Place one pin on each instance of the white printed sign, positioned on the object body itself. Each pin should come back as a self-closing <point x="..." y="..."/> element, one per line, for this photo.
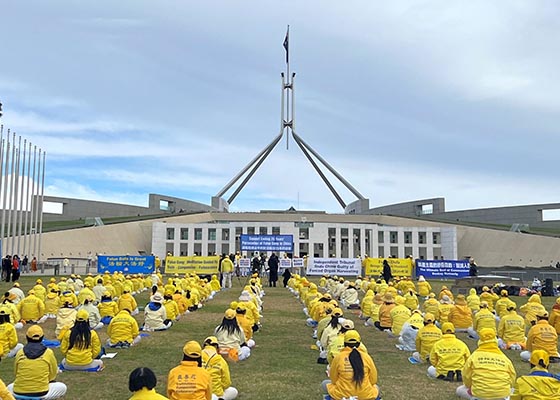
<point x="334" y="266"/>
<point x="297" y="262"/>
<point x="244" y="266"/>
<point x="285" y="263"/>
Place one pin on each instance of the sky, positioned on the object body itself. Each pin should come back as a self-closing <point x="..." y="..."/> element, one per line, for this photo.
<point x="406" y="99"/>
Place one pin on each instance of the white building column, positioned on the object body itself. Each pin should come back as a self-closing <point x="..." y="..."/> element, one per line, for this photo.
<point x="338" y="242"/>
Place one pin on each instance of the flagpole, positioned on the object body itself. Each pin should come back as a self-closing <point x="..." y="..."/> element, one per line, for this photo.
<point x="287" y="47"/>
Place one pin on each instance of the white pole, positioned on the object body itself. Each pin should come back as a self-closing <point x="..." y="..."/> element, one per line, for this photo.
<point x="42" y="193"/>
<point x="10" y="201"/>
<point x="20" y="208"/>
<point x="5" y="192"/>
<point x="27" y="210"/>
<point x="16" y="198"/>
<point x="36" y="204"/>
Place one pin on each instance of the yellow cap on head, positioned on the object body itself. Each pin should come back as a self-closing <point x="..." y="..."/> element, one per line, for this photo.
<point x="35" y="332"/>
<point x="352" y="336"/>
<point x="540" y="355"/>
<point x="448" y="327"/>
<point x="230" y="314"/>
<point x="82" y="315"/>
<point x="192" y="349"/>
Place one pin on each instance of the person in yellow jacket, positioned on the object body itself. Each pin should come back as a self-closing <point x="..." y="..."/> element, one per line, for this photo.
<point x="86" y="293"/>
<point x="489" y="296"/>
<point x="554" y="319"/>
<point x="352" y="372"/>
<point x="540" y="384"/>
<point x="445" y="292"/>
<point x="424" y="287"/>
<point x="52" y="303"/>
<point x="399" y="315"/>
<point x="337" y="344"/>
<point x="9" y="345"/>
<point x="542" y="336"/>
<point x="488" y="373"/>
<point x="244" y="323"/>
<point x="511" y="330"/>
<point x="215" y="283"/>
<point x="374" y="313"/>
<point x="141" y="382"/>
<point x="431" y="305"/>
<point x="32" y="308"/>
<point x="123" y="330"/>
<point x="411" y="300"/>
<point x="155" y="315"/>
<point x="448" y="355"/>
<point x="81" y="346"/>
<point x="226" y="267"/>
<point x="366" y="305"/>
<point x="482" y="319"/>
<point x="427" y="336"/>
<point x="444" y="308"/>
<point x="40" y="290"/>
<point x="108" y="308"/>
<point x="128" y="301"/>
<point x="327" y="335"/>
<point x="4" y="392"/>
<point x="461" y="315"/>
<point x="171" y="307"/>
<point x="181" y="302"/>
<point x="65" y="318"/>
<point x="35" y="369"/>
<point x="503" y="303"/>
<point x="214" y="363"/>
<point x="385" y="322"/>
<point x="199" y="386"/>
<point x="473" y="300"/>
<point x="531" y="309"/>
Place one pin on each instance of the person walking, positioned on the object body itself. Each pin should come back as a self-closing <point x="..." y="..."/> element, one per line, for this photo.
<point x="387" y="273"/>
<point x="226" y="267"/>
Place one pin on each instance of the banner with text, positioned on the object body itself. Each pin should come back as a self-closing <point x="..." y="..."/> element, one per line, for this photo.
<point x="334" y="266"/>
<point x="244" y="266"/>
<point x="399" y="266"/>
<point x="285" y="263"/>
<point x="267" y="243"/>
<point x="442" y="269"/>
<point x="192" y="264"/>
<point x="126" y="264"/>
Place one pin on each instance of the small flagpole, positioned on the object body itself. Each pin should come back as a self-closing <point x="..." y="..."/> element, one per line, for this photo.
<point x="288" y="82"/>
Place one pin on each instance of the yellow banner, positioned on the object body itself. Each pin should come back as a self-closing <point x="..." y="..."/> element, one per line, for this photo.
<point x="399" y="266"/>
<point x="192" y="264"/>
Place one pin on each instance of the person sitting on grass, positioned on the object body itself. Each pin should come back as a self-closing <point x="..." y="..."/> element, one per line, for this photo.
<point x="488" y="373"/>
<point x="352" y="372"/>
<point x="93" y="312"/>
<point x="81" y="346"/>
<point x="123" y="330"/>
<point x="218" y="368"/>
<point x="231" y="338"/>
<point x="35" y="369"/>
<point x="542" y="336"/>
<point x="199" y="385"/>
<point x="427" y="336"/>
<point x="108" y="308"/>
<point x="155" y="315"/>
<point x="32" y="309"/>
<point x="511" y="330"/>
<point x="448" y="355"/>
<point x="141" y="383"/>
<point x="540" y="383"/>
<point x="9" y="345"/>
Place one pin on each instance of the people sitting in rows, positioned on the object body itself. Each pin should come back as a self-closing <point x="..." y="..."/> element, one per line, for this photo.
<point x="352" y="372"/>
<point x="409" y="331"/>
<point x="81" y="346"/>
<point x="448" y="355"/>
<point x="531" y="308"/>
<point x="141" y="383"/>
<point x="199" y="385"/>
<point x="385" y="322"/>
<point x="503" y="303"/>
<point x="489" y="296"/>
<point x="539" y="383"/>
<point x="461" y="315"/>
<point x="427" y="336"/>
<point x="32" y="309"/>
<point x="93" y="312"/>
<point x="155" y="315"/>
<point x="473" y="300"/>
<point x="214" y="363"/>
<point x="542" y="336"/>
<point x="9" y="345"/>
<point x="554" y="319"/>
<point x="488" y="373"/>
<point x="511" y="330"/>
<point x="482" y="319"/>
<point x="108" y="308"/>
<point x="36" y="368"/>
<point x="123" y="331"/>
<point x="231" y="339"/>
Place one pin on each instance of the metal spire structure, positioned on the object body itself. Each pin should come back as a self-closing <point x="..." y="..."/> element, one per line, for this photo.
<point x="287" y="127"/>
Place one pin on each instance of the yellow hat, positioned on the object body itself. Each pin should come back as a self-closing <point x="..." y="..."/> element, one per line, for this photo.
<point x="213" y="340"/>
<point x="39" y="280"/>
<point x="337" y="312"/>
<point x="327" y="296"/>
<point x="487" y="335"/>
<point x="35" y="332"/>
<point x="233" y="305"/>
<point x="448" y="327"/>
<point x="429" y="317"/>
<point x="82" y="315"/>
<point x="399" y="300"/>
<point x="4" y="310"/>
<point x="31" y="291"/>
<point x="192" y="349"/>
<point x="485" y="289"/>
<point x="352" y="336"/>
<point x="52" y="280"/>
<point x="540" y="355"/>
<point x="504" y="293"/>
<point x="432" y="295"/>
<point x="16" y="284"/>
<point x="230" y="314"/>
<point x="483" y="304"/>
<point x="542" y="314"/>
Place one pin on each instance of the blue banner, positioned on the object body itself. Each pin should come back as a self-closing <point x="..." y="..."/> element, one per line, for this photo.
<point x="442" y="269"/>
<point x="267" y="243"/>
<point x="126" y="264"/>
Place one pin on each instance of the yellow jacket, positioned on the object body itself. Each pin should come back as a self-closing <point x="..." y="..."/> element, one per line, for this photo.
<point x="538" y="385"/>
<point x="181" y="302"/>
<point x="484" y="319"/>
<point x="531" y="309"/>
<point x="367" y="303"/>
<point x="489" y="373"/>
<point x="122" y="328"/>
<point x="337" y="345"/>
<point x="128" y="302"/>
<point x="554" y="319"/>
<point x="411" y="301"/>
<point x="172" y="309"/>
<point x="31" y="308"/>
<point x="4" y="392"/>
<point x="40" y="291"/>
<point x="427" y="336"/>
<point x="449" y="354"/>
<point x="490" y="298"/>
<point x="399" y="315"/>
<point x="502" y="305"/>
<point x="473" y="300"/>
<point x="108" y="308"/>
<point x="77" y="356"/>
<point x="34" y="367"/>
<point x="385" y="314"/>
<point x="147" y="394"/>
<point x="85" y="293"/>
<point x="245" y="325"/>
<point x="8" y="338"/>
<point x="461" y="316"/>
<point x="214" y="363"/>
<point x="64" y="319"/>
<point x="199" y="385"/>
<point x="542" y="336"/>
<point x="341" y="377"/>
<point x="431" y="306"/>
<point x="52" y="303"/>
<point x="511" y="328"/>
<point x="15" y="316"/>
<point x="226" y="265"/>
<point x="443" y="312"/>
<point x="424" y="288"/>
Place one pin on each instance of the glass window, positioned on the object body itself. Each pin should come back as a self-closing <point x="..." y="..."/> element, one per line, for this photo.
<point x="184" y="233"/>
<point x="275" y="230"/>
<point x="422" y="237"/>
<point x="225" y="234"/>
<point x="380" y="236"/>
<point x="263" y="230"/>
<point x="211" y="234"/>
<point x="197" y="233"/>
<point x="304" y="233"/>
<point x="436" y="237"/>
<point x="408" y="237"/>
<point x="170" y="233"/>
<point x="251" y="230"/>
<point x="393" y="237"/>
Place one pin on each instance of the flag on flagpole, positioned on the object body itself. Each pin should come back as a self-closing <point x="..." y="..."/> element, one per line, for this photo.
<point x="287" y="44"/>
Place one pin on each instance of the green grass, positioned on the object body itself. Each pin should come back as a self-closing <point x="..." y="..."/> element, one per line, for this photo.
<point x="281" y="367"/>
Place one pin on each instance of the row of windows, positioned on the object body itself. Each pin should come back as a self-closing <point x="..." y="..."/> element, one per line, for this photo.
<point x="184" y="232"/>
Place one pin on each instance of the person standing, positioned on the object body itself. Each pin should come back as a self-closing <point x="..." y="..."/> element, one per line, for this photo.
<point x="473" y="268"/>
<point x="34" y="264"/>
<point x="6" y="268"/>
<point x="387" y="273"/>
<point x="226" y="267"/>
<point x="273" y="264"/>
<point x="15" y="268"/>
<point x="25" y="264"/>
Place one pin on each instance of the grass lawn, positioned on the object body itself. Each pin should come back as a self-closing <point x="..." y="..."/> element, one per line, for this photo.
<point x="281" y="367"/>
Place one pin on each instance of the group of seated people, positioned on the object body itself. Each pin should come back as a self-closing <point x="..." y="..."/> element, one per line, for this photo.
<point x="428" y="332"/>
